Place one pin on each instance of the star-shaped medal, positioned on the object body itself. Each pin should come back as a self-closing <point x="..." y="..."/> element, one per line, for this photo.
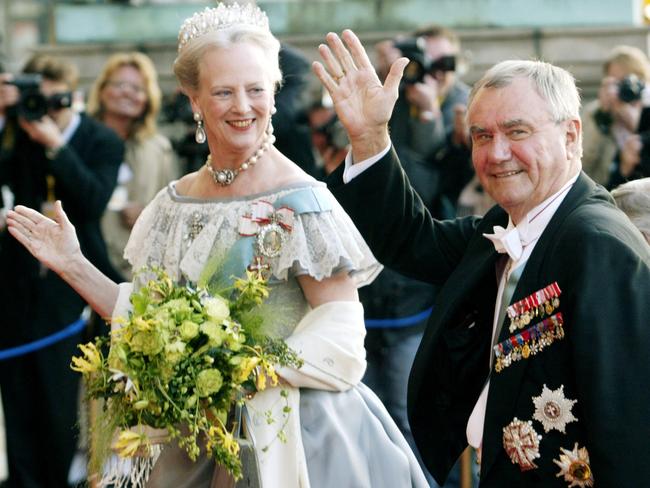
<point x="553" y="409"/>
<point x="574" y="466"/>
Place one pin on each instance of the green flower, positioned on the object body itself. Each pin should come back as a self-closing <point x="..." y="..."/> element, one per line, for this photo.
<point x="188" y="330"/>
<point x="148" y="343"/>
<point x="214" y="332"/>
<point x="216" y="308"/>
<point x="180" y="308"/>
<point x="174" y="351"/>
<point x="208" y="381"/>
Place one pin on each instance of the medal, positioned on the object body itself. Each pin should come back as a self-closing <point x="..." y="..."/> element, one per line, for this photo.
<point x="553" y="409"/>
<point x="574" y="466"/>
<point x="521" y="442"/>
<point x="528" y="342"/>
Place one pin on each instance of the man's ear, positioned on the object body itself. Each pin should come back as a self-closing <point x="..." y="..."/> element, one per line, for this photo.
<point x="573" y="138"/>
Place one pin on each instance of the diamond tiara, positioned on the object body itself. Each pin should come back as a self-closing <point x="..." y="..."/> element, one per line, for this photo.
<point x="219" y="18"/>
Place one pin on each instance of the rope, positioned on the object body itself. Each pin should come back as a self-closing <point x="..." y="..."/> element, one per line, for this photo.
<point x="401" y="322"/>
<point x="72" y="329"/>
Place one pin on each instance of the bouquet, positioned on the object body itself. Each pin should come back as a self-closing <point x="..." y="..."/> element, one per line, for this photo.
<point x="181" y="361"/>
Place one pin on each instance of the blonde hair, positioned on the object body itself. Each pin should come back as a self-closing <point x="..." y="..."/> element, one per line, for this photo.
<point x="145" y="125"/>
<point x="632" y="59"/>
<point x="633" y="198"/>
<point x="188" y="62"/>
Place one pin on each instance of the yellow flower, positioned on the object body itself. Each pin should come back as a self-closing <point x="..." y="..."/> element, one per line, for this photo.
<point x="218" y="435"/>
<point x="254" y="285"/>
<point x="244" y="367"/>
<point x="128" y="443"/>
<point x="91" y="360"/>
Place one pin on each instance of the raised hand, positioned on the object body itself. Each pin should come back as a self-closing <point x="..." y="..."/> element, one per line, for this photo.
<point x="53" y="242"/>
<point x="363" y="105"/>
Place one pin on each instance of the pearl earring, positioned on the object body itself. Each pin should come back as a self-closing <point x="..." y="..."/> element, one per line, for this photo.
<point x="199" y="135"/>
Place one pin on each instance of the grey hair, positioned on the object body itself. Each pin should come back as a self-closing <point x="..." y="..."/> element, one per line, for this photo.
<point x="554" y="84"/>
<point x="187" y="63"/>
<point x="633" y="198"/>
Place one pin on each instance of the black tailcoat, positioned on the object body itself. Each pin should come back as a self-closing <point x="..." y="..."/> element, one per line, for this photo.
<point x="601" y="264"/>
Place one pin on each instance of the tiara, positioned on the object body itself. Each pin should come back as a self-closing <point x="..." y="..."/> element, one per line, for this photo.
<point x="219" y="18"/>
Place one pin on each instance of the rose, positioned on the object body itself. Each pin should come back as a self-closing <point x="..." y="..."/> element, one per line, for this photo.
<point x="148" y="343"/>
<point x="216" y="308"/>
<point x="214" y="332"/>
<point x="174" y="351"/>
<point x="188" y="330"/>
<point x="208" y="381"/>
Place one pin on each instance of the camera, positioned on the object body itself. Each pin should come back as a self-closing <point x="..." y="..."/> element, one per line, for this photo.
<point x="630" y="89"/>
<point x="419" y="63"/>
<point x="32" y="104"/>
<point x="334" y="133"/>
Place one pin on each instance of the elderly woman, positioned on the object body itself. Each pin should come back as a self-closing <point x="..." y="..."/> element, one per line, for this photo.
<point x="126" y="97"/>
<point x="633" y="198"/>
<point x="338" y="435"/>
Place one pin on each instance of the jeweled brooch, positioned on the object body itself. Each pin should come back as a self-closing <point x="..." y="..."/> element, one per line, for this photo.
<point x="574" y="466"/>
<point x="521" y="442"/>
<point x="553" y="409"/>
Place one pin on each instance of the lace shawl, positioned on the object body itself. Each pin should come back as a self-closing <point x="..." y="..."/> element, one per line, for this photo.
<point x="181" y="234"/>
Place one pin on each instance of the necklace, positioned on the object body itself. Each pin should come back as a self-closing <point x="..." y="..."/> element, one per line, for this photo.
<point x="225" y="177"/>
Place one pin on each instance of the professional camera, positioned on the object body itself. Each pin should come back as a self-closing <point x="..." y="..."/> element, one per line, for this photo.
<point x="630" y="89"/>
<point x="419" y="63"/>
<point x="32" y="104"/>
<point x="334" y="133"/>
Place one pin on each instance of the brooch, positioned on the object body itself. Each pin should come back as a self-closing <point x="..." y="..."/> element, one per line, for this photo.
<point x="528" y="342"/>
<point x="574" y="466"/>
<point x="269" y="225"/>
<point x="194" y="226"/>
<point x="542" y="302"/>
<point x="521" y="442"/>
<point x="553" y="409"/>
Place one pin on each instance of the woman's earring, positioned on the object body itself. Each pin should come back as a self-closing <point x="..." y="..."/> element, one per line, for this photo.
<point x="274" y="110"/>
<point x="199" y="135"/>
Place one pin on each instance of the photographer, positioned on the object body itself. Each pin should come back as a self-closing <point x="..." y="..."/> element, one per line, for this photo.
<point x="611" y="120"/>
<point x="327" y="136"/>
<point x="48" y="152"/>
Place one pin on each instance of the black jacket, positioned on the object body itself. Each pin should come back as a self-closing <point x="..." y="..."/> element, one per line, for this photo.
<point x="601" y="264"/>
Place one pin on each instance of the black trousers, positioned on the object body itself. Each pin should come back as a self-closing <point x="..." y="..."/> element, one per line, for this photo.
<point x="40" y="401"/>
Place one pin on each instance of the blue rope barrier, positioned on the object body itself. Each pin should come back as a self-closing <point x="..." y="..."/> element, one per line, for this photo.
<point x="401" y="322"/>
<point x="70" y="330"/>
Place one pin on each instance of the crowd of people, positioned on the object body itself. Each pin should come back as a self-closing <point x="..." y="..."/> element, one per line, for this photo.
<point x="455" y="265"/>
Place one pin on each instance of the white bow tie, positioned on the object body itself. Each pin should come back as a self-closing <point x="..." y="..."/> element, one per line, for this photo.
<point x="507" y="240"/>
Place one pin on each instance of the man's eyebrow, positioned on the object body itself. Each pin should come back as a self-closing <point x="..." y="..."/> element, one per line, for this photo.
<point x="508" y="124"/>
<point x="476" y="128"/>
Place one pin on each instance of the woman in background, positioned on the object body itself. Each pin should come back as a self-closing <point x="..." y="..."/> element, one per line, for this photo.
<point x="633" y="198"/>
<point x="126" y="97"/>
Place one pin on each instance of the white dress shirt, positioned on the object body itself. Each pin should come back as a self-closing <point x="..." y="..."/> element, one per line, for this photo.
<point x="530" y="229"/>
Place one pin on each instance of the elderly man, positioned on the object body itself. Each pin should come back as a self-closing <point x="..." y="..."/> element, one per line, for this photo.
<point x="538" y="353"/>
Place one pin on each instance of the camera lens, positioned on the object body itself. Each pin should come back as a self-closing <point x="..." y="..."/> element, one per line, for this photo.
<point x="32" y="105"/>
